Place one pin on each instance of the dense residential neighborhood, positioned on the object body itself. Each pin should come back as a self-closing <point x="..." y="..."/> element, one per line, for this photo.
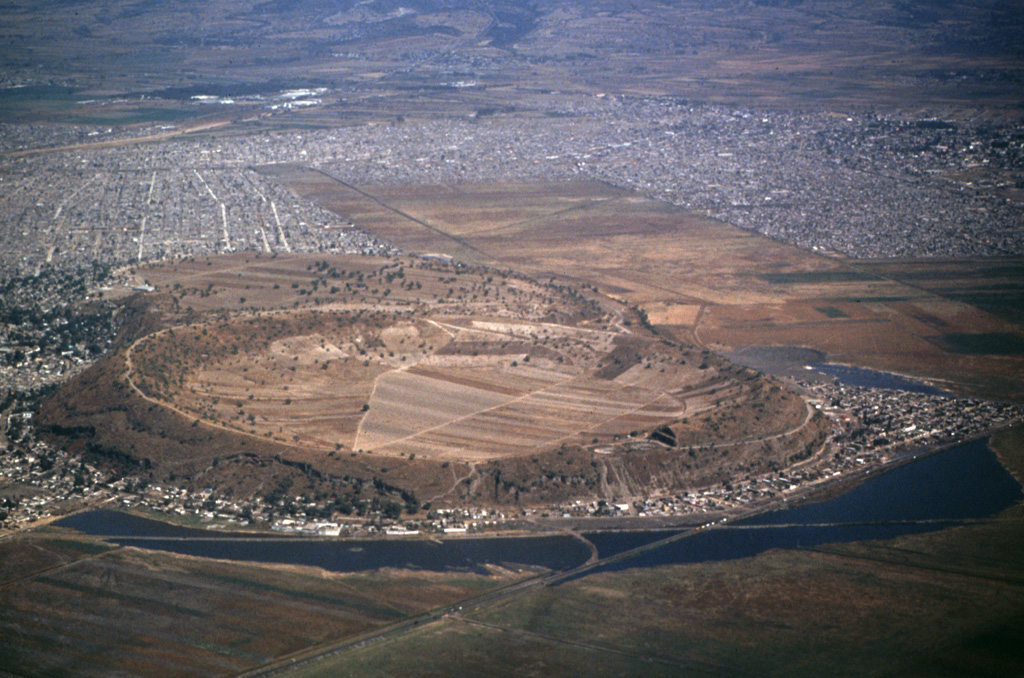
<point x="75" y="220"/>
<point x="862" y="185"/>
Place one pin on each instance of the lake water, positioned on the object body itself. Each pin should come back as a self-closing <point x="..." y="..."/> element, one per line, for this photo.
<point x="961" y="483"/>
<point x="865" y="378"/>
<point x="793" y="361"/>
<point x="933" y="492"/>
<point x="615" y="542"/>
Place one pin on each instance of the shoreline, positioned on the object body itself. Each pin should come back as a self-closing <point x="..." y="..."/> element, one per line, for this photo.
<point x="810" y="493"/>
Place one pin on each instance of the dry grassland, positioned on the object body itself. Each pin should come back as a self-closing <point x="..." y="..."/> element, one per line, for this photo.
<point x="407" y="381"/>
<point x="937" y="604"/>
<point x="78" y="607"/>
<point x="667" y="313"/>
<point x="710" y="283"/>
<point x="349" y="375"/>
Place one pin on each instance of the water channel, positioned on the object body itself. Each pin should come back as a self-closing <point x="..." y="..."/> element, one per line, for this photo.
<point x="961" y="483"/>
<point x="940" y="490"/>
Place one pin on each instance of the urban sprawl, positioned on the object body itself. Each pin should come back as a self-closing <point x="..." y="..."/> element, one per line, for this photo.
<point x="860" y="185"/>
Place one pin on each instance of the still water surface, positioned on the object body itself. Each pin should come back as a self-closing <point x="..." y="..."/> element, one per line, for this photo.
<point x="961" y="483"/>
<point x="865" y="378"/>
<point x="965" y="482"/>
<point x="346" y="555"/>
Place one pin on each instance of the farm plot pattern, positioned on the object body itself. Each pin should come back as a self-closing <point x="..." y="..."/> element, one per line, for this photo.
<point x="452" y="380"/>
<point x="415" y="414"/>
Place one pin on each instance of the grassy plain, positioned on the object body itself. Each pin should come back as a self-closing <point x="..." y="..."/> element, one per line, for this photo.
<point x="706" y="282"/>
<point x="71" y="607"/>
<point x="940" y="604"/>
<point x="462" y="645"/>
<point x="913" y="606"/>
<point x="76" y="607"/>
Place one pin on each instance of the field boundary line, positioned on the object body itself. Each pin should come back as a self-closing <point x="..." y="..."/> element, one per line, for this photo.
<point x="57" y="568"/>
<point x="464" y="417"/>
<point x="952" y="572"/>
<point x="405" y="215"/>
<point x="586" y="203"/>
<point x="129" y="368"/>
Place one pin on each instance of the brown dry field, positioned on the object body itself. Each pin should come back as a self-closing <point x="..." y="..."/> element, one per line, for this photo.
<point x="77" y="607"/>
<point x="324" y="373"/>
<point x="946" y="603"/>
<point x="708" y="282"/>
<point x="373" y="369"/>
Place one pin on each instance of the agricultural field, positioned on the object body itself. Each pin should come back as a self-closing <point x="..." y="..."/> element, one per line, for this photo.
<point x="941" y="604"/>
<point x="351" y="375"/>
<point x="542" y="345"/>
<point x="712" y="284"/>
<point x="390" y="376"/>
<point x="77" y="607"/>
<point x="945" y="603"/>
